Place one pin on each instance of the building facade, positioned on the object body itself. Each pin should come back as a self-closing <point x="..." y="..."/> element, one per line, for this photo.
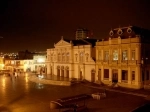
<point x="39" y="60"/>
<point x="18" y="65"/>
<point x="72" y="59"/>
<point x="123" y="58"/>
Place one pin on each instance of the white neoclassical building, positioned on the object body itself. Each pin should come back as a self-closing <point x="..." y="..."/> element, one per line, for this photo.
<point x="124" y="57"/>
<point x="72" y="59"/>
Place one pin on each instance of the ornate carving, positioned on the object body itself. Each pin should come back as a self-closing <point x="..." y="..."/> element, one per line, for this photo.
<point x="119" y="32"/>
<point x="129" y="30"/>
<point x="111" y="33"/>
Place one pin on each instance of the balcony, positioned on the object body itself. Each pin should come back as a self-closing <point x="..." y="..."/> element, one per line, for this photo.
<point x="123" y="62"/>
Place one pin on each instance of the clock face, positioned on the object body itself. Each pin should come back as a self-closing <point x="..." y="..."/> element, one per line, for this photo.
<point x="119" y="32"/>
<point x="111" y="33"/>
<point x="129" y="30"/>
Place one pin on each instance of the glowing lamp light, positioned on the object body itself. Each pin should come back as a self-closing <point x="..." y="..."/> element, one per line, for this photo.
<point x="40" y="60"/>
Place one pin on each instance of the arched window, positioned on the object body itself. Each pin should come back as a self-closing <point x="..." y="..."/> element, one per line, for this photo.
<point x="67" y="72"/>
<point x="59" y="57"/>
<point x="81" y="56"/>
<point x="51" y="57"/>
<point x="62" y="71"/>
<point x="63" y="57"/>
<point x="67" y="57"/>
<point x="58" y="70"/>
<point x="99" y="55"/>
<point x="76" y="57"/>
<point x="87" y="56"/>
<point x="115" y="55"/>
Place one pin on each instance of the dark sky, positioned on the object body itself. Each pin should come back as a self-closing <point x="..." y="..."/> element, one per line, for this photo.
<point x="38" y="24"/>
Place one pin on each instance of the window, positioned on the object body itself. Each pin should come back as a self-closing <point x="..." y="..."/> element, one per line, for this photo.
<point x="81" y="57"/>
<point x="133" y="55"/>
<point x="99" y="55"/>
<point x="106" y="73"/>
<point x="133" y="75"/>
<point x="124" y="55"/>
<point x="67" y="57"/>
<point x="76" y="57"/>
<point x="63" y="57"/>
<point x="124" y="75"/>
<point x="51" y="57"/>
<point x="106" y="55"/>
<point x="115" y="55"/>
<point x="59" y="57"/>
<point x="87" y="56"/>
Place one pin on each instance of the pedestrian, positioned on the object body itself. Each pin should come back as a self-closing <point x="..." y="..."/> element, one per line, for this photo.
<point x="15" y="74"/>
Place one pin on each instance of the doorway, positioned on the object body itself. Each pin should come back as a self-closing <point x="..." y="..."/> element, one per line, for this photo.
<point x="92" y="75"/>
<point x="115" y="75"/>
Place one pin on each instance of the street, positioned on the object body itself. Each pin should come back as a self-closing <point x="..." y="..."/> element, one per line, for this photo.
<point x="21" y="95"/>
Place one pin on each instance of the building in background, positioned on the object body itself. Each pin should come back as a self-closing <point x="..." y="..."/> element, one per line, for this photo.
<point x="82" y="33"/>
<point x="39" y="60"/>
<point x="19" y="65"/>
<point x="26" y="62"/>
<point x="72" y="59"/>
<point x="1" y="63"/>
<point x="123" y="59"/>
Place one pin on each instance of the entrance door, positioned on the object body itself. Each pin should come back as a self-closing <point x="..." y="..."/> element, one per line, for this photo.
<point x="99" y="74"/>
<point x="58" y="71"/>
<point x="92" y="76"/>
<point x="115" y="76"/>
<point x="80" y="75"/>
<point x="67" y="73"/>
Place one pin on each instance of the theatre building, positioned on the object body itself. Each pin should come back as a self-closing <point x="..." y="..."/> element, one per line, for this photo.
<point x="123" y="59"/>
<point x="72" y="59"/>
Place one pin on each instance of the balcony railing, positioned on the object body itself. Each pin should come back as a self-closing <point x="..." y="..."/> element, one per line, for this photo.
<point x="119" y="61"/>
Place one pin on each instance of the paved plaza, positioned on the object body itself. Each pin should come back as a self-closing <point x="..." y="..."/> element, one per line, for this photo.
<point x="21" y="95"/>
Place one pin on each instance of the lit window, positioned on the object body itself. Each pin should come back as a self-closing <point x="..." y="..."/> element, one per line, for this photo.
<point x="67" y="57"/>
<point x="115" y="55"/>
<point x="133" y="55"/>
<point x="81" y="57"/>
<point x="124" y="55"/>
<point x="106" y="55"/>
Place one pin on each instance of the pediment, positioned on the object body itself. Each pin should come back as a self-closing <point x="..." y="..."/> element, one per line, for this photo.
<point x="62" y="43"/>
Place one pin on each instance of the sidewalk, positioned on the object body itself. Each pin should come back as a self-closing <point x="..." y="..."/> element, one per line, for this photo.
<point x="137" y="92"/>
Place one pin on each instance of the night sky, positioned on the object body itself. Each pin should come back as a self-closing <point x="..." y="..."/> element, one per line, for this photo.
<point x="35" y="25"/>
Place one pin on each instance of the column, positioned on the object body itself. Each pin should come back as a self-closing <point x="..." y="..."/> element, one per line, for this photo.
<point x="119" y="75"/>
<point x="138" y="76"/>
<point x="97" y="69"/>
<point x="110" y="74"/>
<point x="102" y="73"/>
<point x="129" y="52"/>
<point x="129" y="75"/>
<point x="48" y="68"/>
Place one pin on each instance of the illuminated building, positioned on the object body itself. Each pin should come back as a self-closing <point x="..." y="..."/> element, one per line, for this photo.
<point x="1" y="63"/>
<point x="39" y="63"/>
<point x="123" y="59"/>
<point x="72" y="59"/>
<point x="19" y="65"/>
